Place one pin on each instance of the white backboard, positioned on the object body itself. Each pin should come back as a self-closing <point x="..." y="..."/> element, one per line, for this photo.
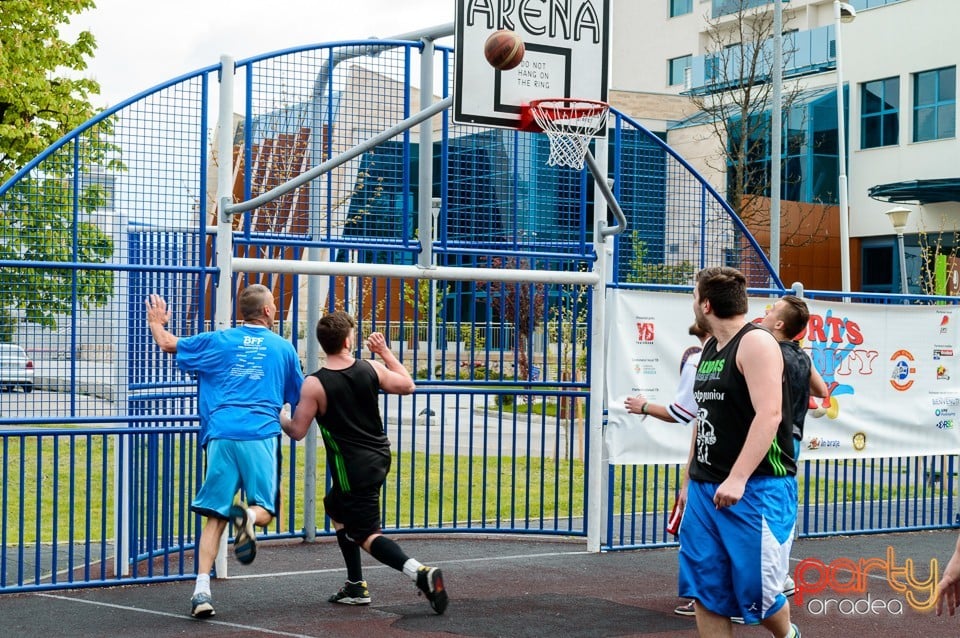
<point x="567" y="50"/>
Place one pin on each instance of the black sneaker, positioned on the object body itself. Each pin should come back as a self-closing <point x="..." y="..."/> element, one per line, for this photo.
<point x="352" y="594"/>
<point x="430" y="582"/>
<point x="688" y="608"/>
<point x="245" y="542"/>
<point x="202" y="606"/>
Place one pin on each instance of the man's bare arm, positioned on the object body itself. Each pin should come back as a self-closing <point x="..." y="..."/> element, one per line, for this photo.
<point x="157" y="318"/>
<point x="394" y="377"/>
<point x="313" y="402"/>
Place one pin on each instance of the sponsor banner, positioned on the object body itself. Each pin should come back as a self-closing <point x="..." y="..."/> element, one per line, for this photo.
<point x="893" y="374"/>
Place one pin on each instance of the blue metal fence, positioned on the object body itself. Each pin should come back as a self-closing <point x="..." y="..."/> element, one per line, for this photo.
<point x="100" y="461"/>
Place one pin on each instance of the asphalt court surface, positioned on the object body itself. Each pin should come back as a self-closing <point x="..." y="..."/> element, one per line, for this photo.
<point x="499" y="586"/>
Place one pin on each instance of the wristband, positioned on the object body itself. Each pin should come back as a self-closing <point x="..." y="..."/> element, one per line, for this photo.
<point x="643" y="408"/>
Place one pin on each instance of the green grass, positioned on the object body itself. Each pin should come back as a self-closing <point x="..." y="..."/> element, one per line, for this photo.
<point x="39" y="481"/>
<point x="433" y="490"/>
<point x="36" y="487"/>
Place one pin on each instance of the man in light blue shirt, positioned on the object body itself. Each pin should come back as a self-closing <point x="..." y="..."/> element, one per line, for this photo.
<point x="245" y="375"/>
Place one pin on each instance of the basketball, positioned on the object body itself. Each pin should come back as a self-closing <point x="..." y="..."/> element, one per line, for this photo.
<point x="504" y="49"/>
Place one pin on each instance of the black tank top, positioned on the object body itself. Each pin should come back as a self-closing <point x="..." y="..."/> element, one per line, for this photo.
<point x="358" y="450"/>
<point x="725" y="413"/>
<point x="796" y="365"/>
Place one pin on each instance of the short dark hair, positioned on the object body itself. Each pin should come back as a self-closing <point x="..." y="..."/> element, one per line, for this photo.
<point x="333" y="330"/>
<point x="253" y="299"/>
<point x="794" y="314"/>
<point x="726" y="290"/>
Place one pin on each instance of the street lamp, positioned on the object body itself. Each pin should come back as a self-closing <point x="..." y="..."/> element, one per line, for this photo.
<point x="898" y="217"/>
<point x="842" y="13"/>
<point x="435" y="203"/>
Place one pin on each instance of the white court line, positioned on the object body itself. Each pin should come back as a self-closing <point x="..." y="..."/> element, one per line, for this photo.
<point x="297" y="573"/>
<point x="206" y="621"/>
<point x="438" y="563"/>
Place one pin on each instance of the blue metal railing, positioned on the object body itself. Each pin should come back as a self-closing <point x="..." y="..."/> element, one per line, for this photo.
<point x="100" y="462"/>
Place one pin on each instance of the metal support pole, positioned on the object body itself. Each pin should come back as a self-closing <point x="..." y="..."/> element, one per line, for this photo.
<point x="426" y="219"/>
<point x="903" y="263"/>
<point x="224" y="243"/>
<point x="776" y="135"/>
<point x="435" y="204"/>
<point x="842" y="158"/>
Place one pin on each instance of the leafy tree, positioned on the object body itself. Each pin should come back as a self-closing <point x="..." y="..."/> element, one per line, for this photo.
<point x="42" y="215"/>
<point x="38" y="102"/>
<point x="642" y="272"/>
<point x="937" y="249"/>
<point x="521" y="304"/>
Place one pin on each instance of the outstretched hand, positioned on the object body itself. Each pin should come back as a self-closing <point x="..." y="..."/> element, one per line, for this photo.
<point x="157" y="311"/>
<point x="634" y="405"/>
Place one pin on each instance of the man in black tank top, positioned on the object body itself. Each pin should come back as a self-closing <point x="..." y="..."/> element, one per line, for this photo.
<point x="740" y="491"/>
<point x="344" y="397"/>
<point x="787" y="320"/>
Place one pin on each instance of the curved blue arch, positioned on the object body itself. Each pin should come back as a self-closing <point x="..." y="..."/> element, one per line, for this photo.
<point x="710" y="189"/>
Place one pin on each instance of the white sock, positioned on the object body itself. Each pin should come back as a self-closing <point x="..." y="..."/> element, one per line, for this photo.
<point x="203" y="584"/>
<point x="251" y="516"/>
<point x="410" y="568"/>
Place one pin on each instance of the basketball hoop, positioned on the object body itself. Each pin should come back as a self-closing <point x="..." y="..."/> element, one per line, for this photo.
<point x="570" y="124"/>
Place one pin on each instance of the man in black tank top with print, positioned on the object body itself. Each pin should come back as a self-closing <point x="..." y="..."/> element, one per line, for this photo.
<point x="344" y="397"/>
<point x="740" y="491"/>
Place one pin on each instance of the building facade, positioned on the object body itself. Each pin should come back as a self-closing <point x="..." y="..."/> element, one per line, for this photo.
<point x="899" y="93"/>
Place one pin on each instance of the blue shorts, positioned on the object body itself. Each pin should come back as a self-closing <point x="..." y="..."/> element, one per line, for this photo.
<point x="734" y="560"/>
<point x="253" y="466"/>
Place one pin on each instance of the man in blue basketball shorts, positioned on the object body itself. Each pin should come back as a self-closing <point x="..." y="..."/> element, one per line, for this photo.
<point x="740" y="491"/>
<point x="245" y="375"/>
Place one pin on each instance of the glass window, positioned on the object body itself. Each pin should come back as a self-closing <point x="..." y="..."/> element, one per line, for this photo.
<point x="878" y="266"/>
<point x="880" y="113"/>
<point x="935" y="104"/>
<point x="680" y="7"/>
<point x="677" y="68"/>
<point x="809" y="159"/>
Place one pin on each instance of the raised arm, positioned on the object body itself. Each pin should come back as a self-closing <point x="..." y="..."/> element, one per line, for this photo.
<point x="157" y="318"/>
<point x="394" y="378"/>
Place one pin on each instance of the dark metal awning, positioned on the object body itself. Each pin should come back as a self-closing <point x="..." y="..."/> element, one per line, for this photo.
<point x="921" y="191"/>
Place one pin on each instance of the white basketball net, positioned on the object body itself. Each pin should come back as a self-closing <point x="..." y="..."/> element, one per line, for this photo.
<point x="570" y="124"/>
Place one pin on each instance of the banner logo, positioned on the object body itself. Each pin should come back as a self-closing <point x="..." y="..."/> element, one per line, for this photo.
<point x="859" y="441"/>
<point x="645" y="332"/>
<point x="903" y="368"/>
<point x="848" y="576"/>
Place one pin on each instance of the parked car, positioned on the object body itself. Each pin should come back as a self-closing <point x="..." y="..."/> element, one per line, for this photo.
<point x="16" y="368"/>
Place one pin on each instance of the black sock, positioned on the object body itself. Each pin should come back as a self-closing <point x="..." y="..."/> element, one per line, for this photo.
<point x="351" y="556"/>
<point x="388" y="552"/>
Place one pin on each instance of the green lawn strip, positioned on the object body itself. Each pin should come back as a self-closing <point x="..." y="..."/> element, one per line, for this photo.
<point x="39" y="483"/>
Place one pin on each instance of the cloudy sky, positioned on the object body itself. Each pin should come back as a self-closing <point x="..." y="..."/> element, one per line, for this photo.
<point x="141" y="44"/>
